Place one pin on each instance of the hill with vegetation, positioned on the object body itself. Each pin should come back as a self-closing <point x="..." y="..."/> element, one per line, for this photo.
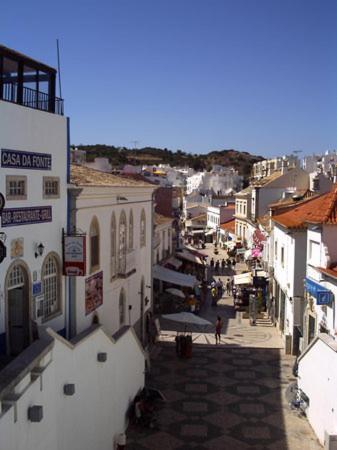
<point x="242" y="161"/>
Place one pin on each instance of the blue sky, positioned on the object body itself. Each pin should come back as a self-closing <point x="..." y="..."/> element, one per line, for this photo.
<point x="199" y="75"/>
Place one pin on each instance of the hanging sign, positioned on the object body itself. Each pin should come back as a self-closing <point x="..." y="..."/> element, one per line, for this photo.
<point x="3" y="251"/>
<point x="25" y="160"/>
<point x="25" y="216"/>
<point x="74" y="255"/>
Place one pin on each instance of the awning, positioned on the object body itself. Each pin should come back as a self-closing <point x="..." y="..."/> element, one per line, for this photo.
<point x="209" y="232"/>
<point x="322" y="295"/>
<point x="171" y="276"/>
<point x="193" y="232"/>
<point x="196" y="252"/>
<point x="176" y="263"/>
<point x="188" y="256"/>
<point x="243" y="278"/>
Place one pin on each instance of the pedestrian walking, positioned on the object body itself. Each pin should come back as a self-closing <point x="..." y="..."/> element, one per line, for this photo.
<point x="218" y="327"/>
<point x="223" y="265"/>
<point x="217" y="265"/>
<point x="212" y="263"/>
<point x="228" y="288"/>
<point x="220" y="288"/>
<point x="214" y="292"/>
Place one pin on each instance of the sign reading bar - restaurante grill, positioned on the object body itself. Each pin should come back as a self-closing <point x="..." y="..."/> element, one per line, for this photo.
<point x="25" y="216"/>
<point x="74" y="255"/>
<point x="25" y="160"/>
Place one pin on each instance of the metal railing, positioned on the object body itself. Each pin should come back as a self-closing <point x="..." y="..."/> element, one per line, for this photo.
<point x="31" y="98"/>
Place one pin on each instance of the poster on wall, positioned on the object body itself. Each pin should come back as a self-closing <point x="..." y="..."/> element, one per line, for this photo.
<point x="74" y="255"/>
<point x="93" y="292"/>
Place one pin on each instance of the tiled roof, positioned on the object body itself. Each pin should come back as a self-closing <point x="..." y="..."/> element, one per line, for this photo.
<point x="332" y="271"/>
<point x="229" y="226"/>
<point x="298" y="195"/>
<point x="84" y="176"/>
<point x="322" y="209"/>
<point x="265" y="180"/>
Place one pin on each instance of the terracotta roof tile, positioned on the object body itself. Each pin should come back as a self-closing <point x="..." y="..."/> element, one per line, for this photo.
<point x="229" y="226"/>
<point x="321" y="209"/>
<point x="85" y="176"/>
<point x="331" y="271"/>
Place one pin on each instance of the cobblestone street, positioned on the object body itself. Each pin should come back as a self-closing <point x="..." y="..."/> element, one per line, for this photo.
<point x="226" y="397"/>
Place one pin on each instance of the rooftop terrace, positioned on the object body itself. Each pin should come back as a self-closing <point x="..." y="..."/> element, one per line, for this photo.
<point x="27" y="82"/>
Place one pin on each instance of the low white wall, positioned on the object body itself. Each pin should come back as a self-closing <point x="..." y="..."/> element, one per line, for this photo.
<point x="318" y="379"/>
<point x="96" y="413"/>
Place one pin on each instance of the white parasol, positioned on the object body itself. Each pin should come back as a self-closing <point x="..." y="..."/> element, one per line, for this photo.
<point x="187" y="318"/>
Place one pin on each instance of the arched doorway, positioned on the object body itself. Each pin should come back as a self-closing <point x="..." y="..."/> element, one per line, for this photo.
<point x="17" y="301"/>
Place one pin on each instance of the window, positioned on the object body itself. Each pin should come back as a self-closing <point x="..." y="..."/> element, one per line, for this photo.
<point x="143" y="229"/>
<point x="94" y="245"/>
<point x="131" y="230"/>
<point x="51" y="286"/>
<point x="314" y="252"/>
<point x="122" y="243"/>
<point x="282" y="256"/>
<point x="122" y="308"/>
<point x="16" y="187"/>
<point x="113" y="245"/>
<point x="51" y="187"/>
<point x="275" y="250"/>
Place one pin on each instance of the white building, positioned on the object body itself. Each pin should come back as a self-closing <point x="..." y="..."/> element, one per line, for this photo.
<point x="116" y="215"/>
<point x="33" y="181"/>
<point x="193" y="182"/>
<point x="162" y="240"/>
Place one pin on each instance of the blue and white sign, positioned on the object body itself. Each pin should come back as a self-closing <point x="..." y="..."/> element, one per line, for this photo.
<point x="14" y="159"/>
<point x="322" y="295"/>
<point x="25" y="216"/>
<point x="37" y="288"/>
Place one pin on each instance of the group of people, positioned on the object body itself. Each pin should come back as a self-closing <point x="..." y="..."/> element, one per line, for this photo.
<point x="219" y="266"/>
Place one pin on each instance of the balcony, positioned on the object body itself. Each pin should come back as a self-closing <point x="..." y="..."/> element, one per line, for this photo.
<point x="31" y="98"/>
<point x="127" y="264"/>
<point x="27" y="82"/>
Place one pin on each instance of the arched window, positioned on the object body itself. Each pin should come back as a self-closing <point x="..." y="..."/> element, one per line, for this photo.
<point x="113" y="246"/>
<point x="51" y="280"/>
<point x="122" y="244"/>
<point x="131" y="231"/>
<point x="122" y="307"/>
<point x="143" y="229"/>
<point x="94" y="245"/>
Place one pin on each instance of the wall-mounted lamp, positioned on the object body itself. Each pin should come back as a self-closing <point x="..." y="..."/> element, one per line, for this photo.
<point x="39" y="249"/>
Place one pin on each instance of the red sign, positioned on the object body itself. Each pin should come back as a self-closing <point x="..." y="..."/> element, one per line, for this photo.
<point x="74" y="255"/>
<point x="93" y="292"/>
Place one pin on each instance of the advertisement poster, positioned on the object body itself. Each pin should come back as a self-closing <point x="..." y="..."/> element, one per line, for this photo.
<point x="74" y="256"/>
<point x="93" y="292"/>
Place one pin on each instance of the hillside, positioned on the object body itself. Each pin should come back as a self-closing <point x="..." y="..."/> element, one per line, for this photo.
<point x="242" y="161"/>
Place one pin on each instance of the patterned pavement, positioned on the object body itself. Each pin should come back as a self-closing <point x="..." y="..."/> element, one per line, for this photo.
<point x="223" y="399"/>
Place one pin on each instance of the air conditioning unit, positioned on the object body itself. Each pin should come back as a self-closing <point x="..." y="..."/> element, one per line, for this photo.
<point x="330" y="441"/>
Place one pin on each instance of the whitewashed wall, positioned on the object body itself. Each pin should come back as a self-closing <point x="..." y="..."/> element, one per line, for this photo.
<point x="100" y="202"/>
<point x="95" y="414"/>
<point x="318" y="380"/>
<point x="31" y="130"/>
